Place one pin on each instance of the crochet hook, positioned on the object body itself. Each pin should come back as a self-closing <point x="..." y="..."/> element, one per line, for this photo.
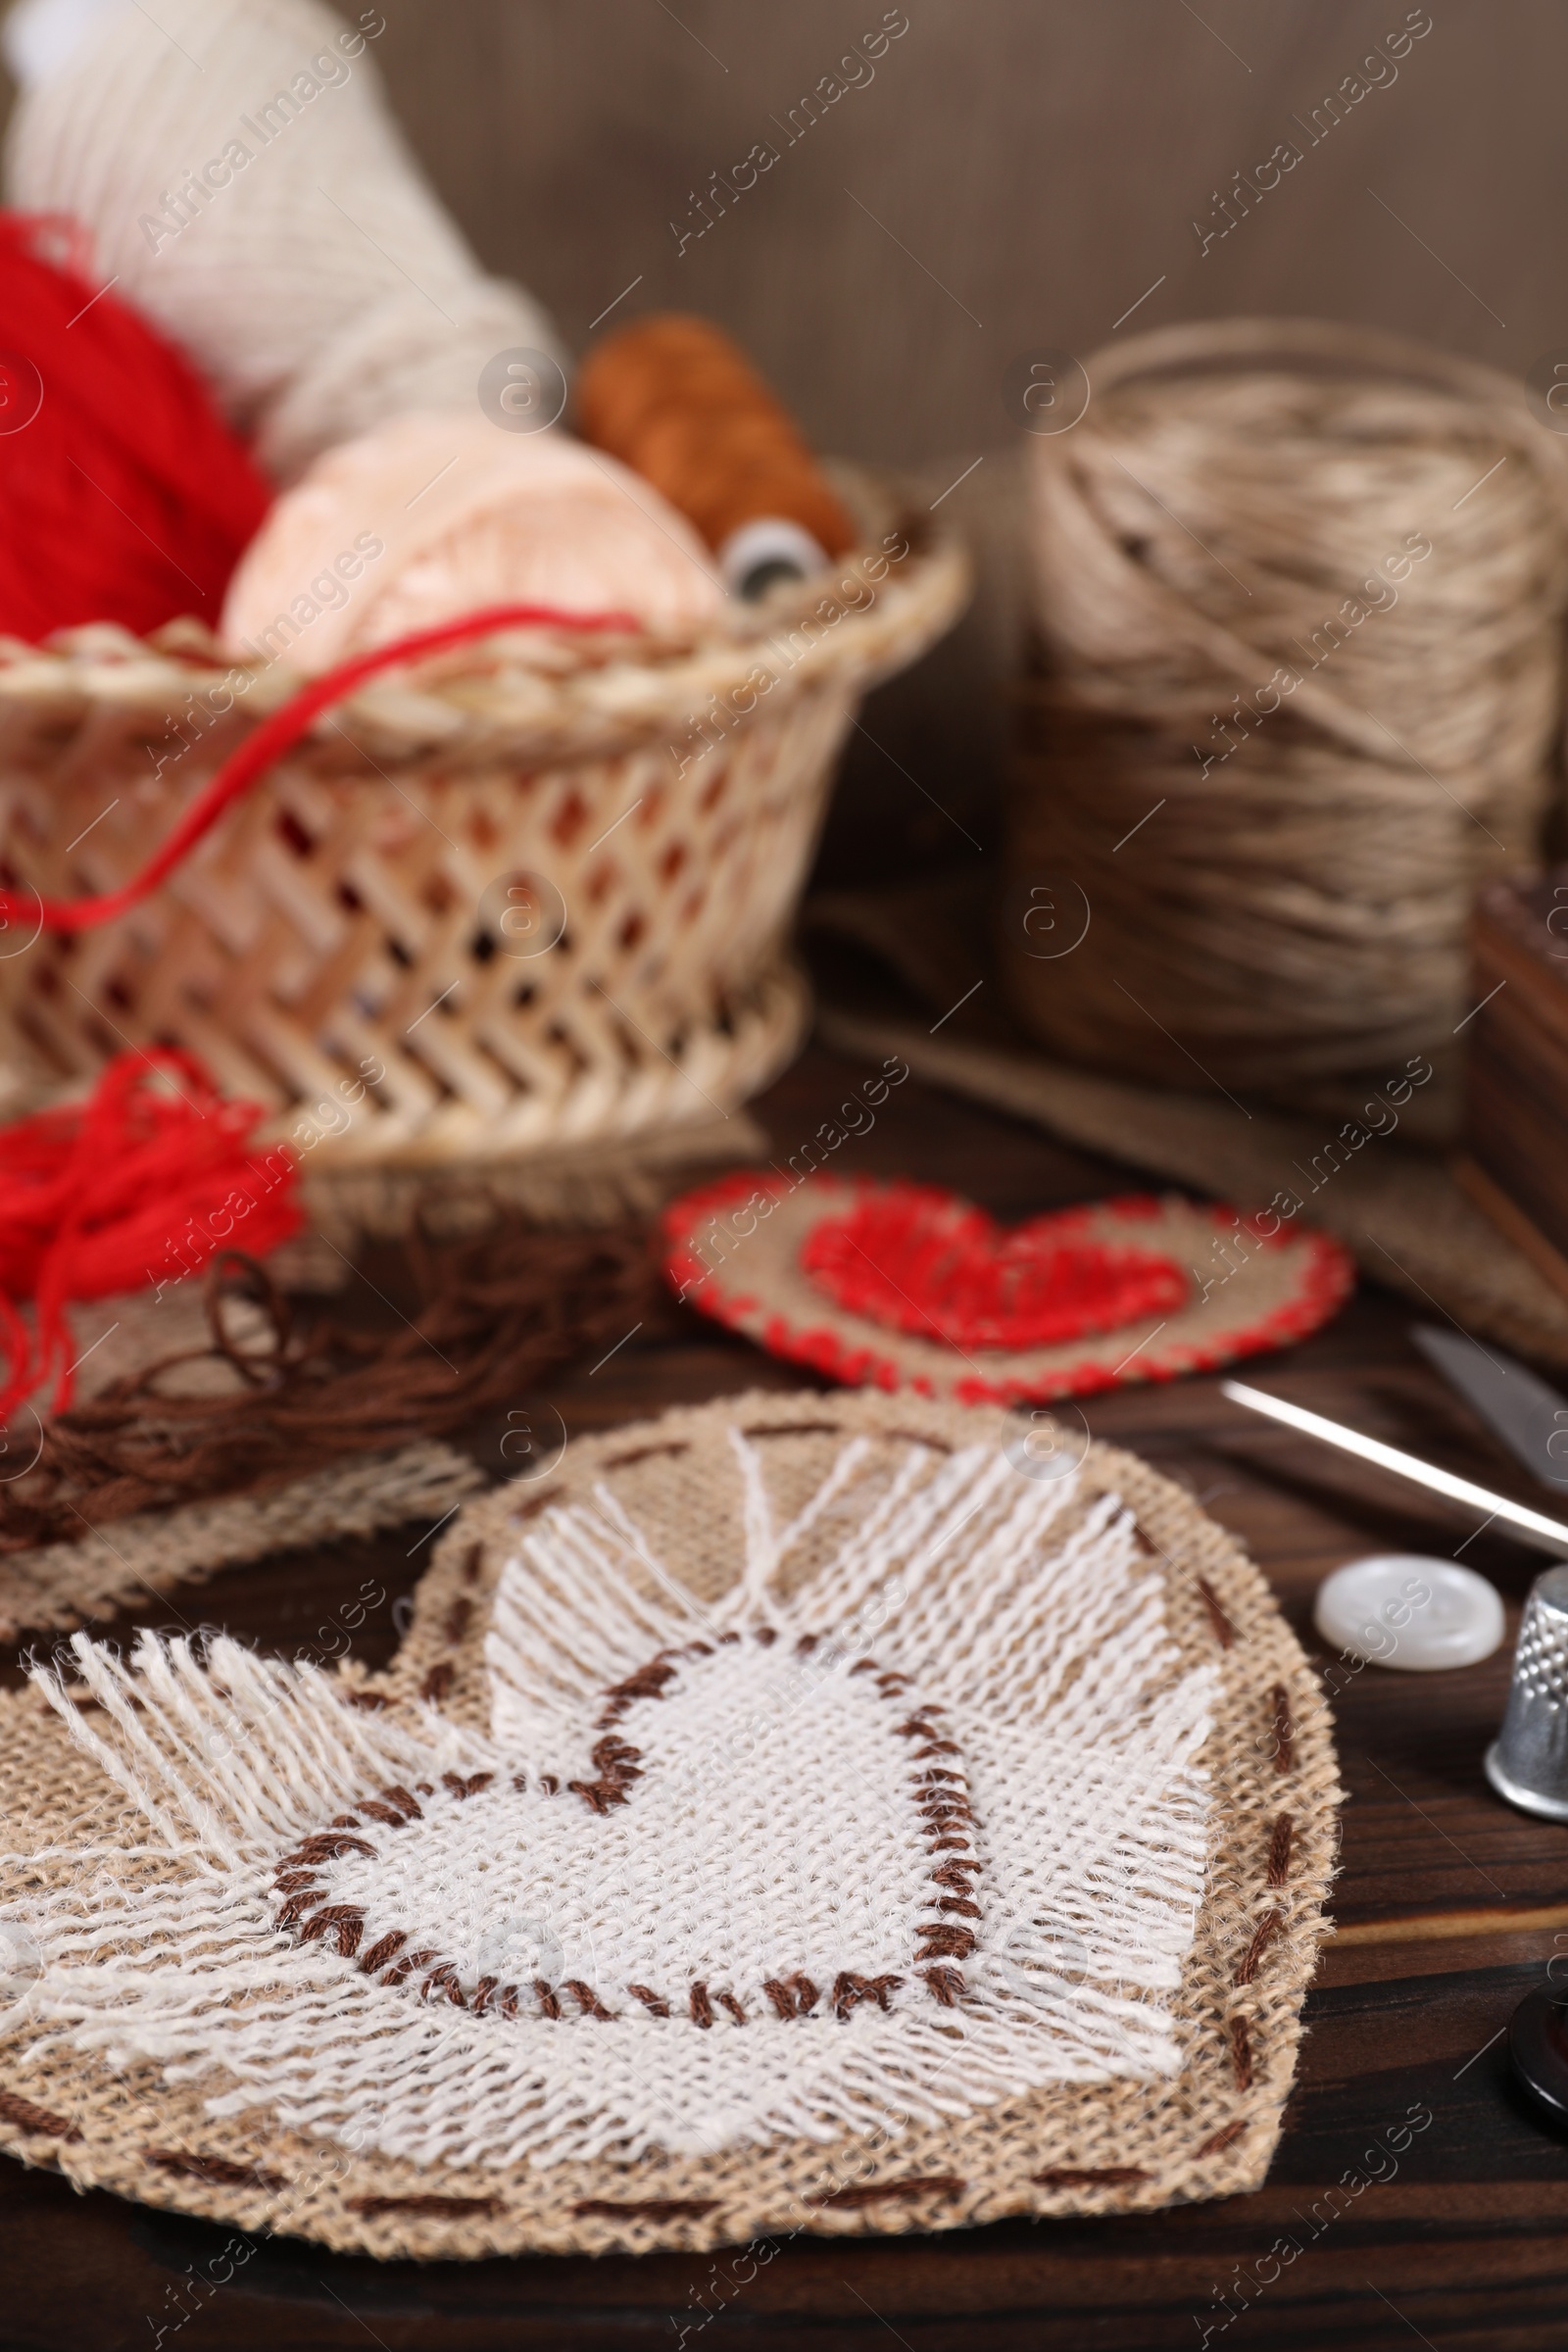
<point x="1531" y="1527"/>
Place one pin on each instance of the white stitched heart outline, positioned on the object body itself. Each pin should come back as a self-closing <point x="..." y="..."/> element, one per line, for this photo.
<point x="913" y="1831"/>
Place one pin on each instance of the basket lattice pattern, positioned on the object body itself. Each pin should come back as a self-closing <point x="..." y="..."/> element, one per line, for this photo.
<point x="539" y="901"/>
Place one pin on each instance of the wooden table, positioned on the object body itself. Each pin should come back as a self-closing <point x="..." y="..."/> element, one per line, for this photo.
<point x="1449" y="1908"/>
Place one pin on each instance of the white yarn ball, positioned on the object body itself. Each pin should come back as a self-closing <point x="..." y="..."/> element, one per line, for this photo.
<point x="435" y="515"/>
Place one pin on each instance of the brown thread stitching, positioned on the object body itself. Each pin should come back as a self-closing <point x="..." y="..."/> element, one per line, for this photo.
<point x="943" y="1942"/>
<point x="548" y="1784"/>
<point x="298" y="1905"/>
<point x="649" y="2000"/>
<point x="915" y="1437"/>
<point x="1268" y="1927"/>
<point x="473" y="1561"/>
<point x="1242" y="2053"/>
<point x="793" y="1428"/>
<point x="646" y="1453"/>
<point x="647" y="1682"/>
<point x="441" y="2209"/>
<point x="1224" y="1631"/>
<point x="953" y="1874"/>
<point x="481" y="1994"/>
<point x="345" y="1921"/>
<point x="873" y="2192"/>
<point x="947" y="1985"/>
<point x="406" y="1966"/>
<point x="544" y="1995"/>
<point x="1226" y="2137"/>
<point x="648" y="2209"/>
<point x="438" y="1682"/>
<point x="373" y="1805"/>
<point x="848" y="1990"/>
<point x="728" y="1640"/>
<point x="42" y="2121"/>
<point x="767" y="1635"/>
<point x="729" y="2001"/>
<point x="587" y="1999"/>
<point x="460" y="1787"/>
<point x="508" y="2000"/>
<point x="1278" y="1850"/>
<point x="384" y="1950"/>
<point x="457" y="1619"/>
<point x="1084" y="2176"/>
<point x="617" y="1765"/>
<point x="1284" y="1729"/>
<point x="805" y="1645"/>
<point x="702" y="2008"/>
<point x="214" y="2172"/>
<point x="327" y="1846"/>
<point x="345" y="1821"/>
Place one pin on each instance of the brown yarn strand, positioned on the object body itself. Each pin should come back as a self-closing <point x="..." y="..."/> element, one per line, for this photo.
<point x="1273" y="744"/>
<point x="498" y="1314"/>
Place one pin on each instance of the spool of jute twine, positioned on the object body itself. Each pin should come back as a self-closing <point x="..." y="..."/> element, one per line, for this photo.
<point x="1300" y="591"/>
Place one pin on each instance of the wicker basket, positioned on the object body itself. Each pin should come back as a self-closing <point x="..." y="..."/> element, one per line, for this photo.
<point x="533" y="896"/>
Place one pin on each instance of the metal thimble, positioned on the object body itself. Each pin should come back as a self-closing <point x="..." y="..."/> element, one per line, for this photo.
<point x="1528" y="1761"/>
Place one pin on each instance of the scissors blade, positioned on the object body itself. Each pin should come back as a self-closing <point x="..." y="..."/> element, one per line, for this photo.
<point x="1530" y="1418"/>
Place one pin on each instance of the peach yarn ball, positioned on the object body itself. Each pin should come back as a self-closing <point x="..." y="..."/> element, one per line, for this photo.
<point x="434" y="515"/>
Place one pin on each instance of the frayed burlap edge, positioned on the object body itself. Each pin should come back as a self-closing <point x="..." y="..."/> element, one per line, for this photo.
<point x="59" y="1586"/>
<point x="1116" y="2148"/>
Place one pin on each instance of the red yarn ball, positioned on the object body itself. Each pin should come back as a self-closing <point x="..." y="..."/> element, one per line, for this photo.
<point x="124" y="495"/>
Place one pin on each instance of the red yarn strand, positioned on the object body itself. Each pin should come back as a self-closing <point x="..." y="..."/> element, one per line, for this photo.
<point x="245" y="767"/>
<point x="146" y="1181"/>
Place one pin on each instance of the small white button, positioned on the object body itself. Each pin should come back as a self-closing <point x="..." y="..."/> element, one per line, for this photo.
<point x="1401" y="1609"/>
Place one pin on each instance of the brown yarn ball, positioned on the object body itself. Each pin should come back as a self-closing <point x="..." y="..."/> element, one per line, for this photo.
<point x="1274" y="744"/>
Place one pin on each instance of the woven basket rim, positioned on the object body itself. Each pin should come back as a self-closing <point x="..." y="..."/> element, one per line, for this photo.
<point x="537" y="687"/>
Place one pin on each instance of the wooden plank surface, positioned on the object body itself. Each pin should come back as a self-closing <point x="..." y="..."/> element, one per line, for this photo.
<point x="1449" y="1906"/>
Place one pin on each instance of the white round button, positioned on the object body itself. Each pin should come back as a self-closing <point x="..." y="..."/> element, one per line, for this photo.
<point x="1401" y="1609"/>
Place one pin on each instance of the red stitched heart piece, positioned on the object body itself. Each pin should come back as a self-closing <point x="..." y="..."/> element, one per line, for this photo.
<point x="922" y="1260"/>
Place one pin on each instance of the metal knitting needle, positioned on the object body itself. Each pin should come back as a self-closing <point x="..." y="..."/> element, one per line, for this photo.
<point x="1531" y="1527"/>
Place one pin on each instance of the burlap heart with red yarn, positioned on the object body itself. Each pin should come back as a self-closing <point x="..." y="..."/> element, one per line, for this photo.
<point x="905" y="1285"/>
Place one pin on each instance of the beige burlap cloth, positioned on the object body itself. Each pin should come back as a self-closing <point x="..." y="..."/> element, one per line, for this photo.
<point x="1205" y="2126"/>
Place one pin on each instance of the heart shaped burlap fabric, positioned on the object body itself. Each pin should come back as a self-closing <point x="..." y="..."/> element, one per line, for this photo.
<point x="836" y="1813"/>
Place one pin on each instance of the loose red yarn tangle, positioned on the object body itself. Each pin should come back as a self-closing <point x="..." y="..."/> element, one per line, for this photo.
<point x="124" y="494"/>
<point x="148" y="1179"/>
<point x="245" y="767"/>
<point x="913" y="1259"/>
